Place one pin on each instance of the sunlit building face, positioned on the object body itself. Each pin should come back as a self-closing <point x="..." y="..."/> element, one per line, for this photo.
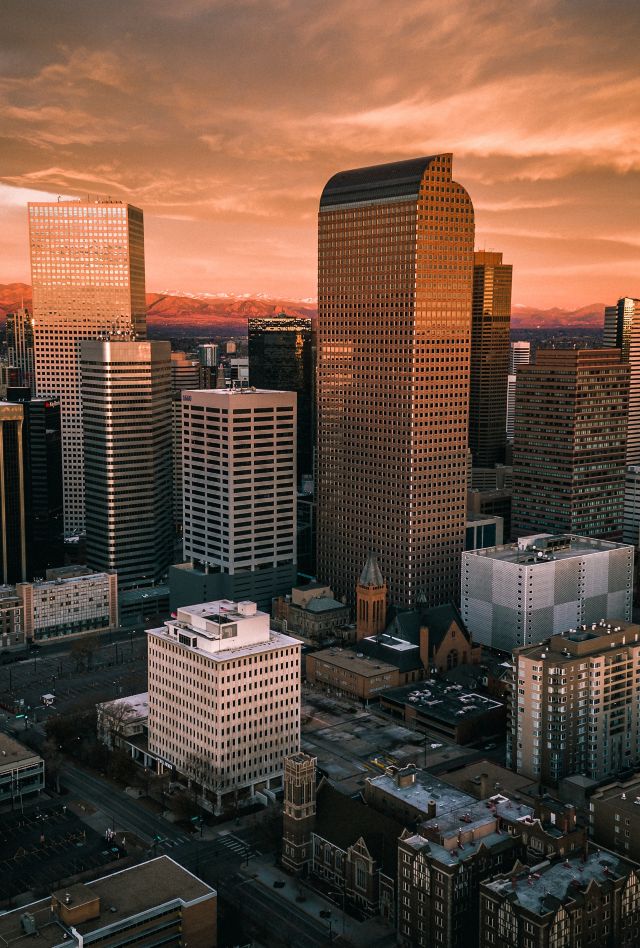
<point x="395" y="277"/>
<point x="87" y="270"/>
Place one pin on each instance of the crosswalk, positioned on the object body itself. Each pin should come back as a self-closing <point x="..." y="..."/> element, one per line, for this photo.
<point x="180" y="841"/>
<point x="235" y="844"/>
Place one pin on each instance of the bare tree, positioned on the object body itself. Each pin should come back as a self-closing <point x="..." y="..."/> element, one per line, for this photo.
<point x="113" y="717"/>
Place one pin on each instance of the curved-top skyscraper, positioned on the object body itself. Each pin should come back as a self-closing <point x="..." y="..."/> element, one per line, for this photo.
<point x="395" y="276"/>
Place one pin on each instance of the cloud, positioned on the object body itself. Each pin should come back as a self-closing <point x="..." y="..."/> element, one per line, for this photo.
<point x="224" y="118"/>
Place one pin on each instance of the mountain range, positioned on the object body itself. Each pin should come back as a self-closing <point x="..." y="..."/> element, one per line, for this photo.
<point x="178" y="313"/>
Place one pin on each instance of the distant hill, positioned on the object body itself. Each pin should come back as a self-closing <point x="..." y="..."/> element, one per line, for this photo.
<point x="185" y="314"/>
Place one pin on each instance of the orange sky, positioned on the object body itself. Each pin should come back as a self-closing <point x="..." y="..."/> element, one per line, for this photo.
<point x="222" y="119"/>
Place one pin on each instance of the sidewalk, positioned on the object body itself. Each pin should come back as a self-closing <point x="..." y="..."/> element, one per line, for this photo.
<point x="372" y="933"/>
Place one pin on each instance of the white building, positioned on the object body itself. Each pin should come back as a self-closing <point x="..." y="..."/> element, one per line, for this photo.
<point x="519" y="354"/>
<point x="122" y="718"/>
<point x="239" y="496"/>
<point x="224" y="698"/>
<point x="522" y="593"/>
<point x="71" y="600"/>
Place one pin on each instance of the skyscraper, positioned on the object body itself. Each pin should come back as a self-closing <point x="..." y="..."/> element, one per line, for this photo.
<point x="519" y="354"/>
<point x="394" y="326"/>
<point x="126" y="412"/>
<point x="569" y="445"/>
<point x="622" y="330"/>
<point x="489" y="358"/>
<point x="43" y="481"/>
<point x="20" y="345"/>
<point x="87" y="270"/>
<point x="282" y="358"/>
<point x="239" y="486"/>
<point x="13" y="514"/>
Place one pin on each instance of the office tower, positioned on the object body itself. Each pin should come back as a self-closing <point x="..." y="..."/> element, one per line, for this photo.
<point x="569" y="444"/>
<point x="126" y="412"/>
<point x="519" y="354"/>
<point x="631" y="520"/>
<point x="87" y="271"/>
<point x="491" y="319"/>
<point x="13" y="502"/>
<point x="239" y="487"/>
<point x="208" y="354"/>
<point x="511" y="406"/>
<point x="521" y="593"/>
<point x="622" y="331"/>
<point x="587" y="899"/>
<point x="43" y="480"/>
<point x="282" y="358"/>
<point x="394" y="326"/>
<point x="10" y="377"/>
<point x="237" y="371"/>
<point x="176" y="458"/>
<point x="20" y="346"/>
<point x="578" y="692"/>
<point x="185" y="372"/>
<point x="224" y="699"/>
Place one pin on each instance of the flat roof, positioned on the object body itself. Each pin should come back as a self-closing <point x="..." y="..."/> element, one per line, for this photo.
<point x="424" y="789"/>
<point x="122" y="895"/>
<point x="499" y="779"/>
<point x="586" y="640"/>
<point x="539" y="888"/>
<point x="547" y="548"/>
<point x="354" y="662"/>
<point x="276" y="640"/>
<point x="442" y="700"/>
<point x="12" y="752"/>
<point x="138" y="704"/>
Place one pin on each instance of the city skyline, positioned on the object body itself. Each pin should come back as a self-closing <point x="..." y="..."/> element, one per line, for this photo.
<point x="228" y="162"/>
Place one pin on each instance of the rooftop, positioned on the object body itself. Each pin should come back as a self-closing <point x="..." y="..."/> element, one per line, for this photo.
<point x="397" y="180"/>
<point x="12" y="752"/>
<point x="624" y="795"/>
<point x="423" y="790"/>
<point x="137" y="705"/>
<point x="442" y="700"/>
<point x="355" y="662"/>
<point x="541" y="888"/>
<point x="586" y="640"/>
<point x="546" y="548"/>
<point x="123" y="894"/>
<point x="323" y="604"/>
<point x="496" y="778"/>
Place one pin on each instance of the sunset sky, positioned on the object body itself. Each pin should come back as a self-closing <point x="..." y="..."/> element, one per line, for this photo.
<point x="223" y="120"/>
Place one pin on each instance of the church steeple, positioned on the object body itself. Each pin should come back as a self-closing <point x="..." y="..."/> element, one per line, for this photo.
<point x="371" y="600"/>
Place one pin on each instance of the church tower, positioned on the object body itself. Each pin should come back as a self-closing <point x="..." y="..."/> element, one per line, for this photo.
<point x="299" y="810"/>
<point x="371" y="600"/>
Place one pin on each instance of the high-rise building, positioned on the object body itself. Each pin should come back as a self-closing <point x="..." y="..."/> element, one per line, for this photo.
<point x="519" y="354"/>
<point x="282" y="358"/>
<point x="394" y="327"/>
<point x="622" y="331"/>
<point x="208" y="354"/>
<point x="631" y="522"/>
<point x="224" y="699"/>
<point x="87" y="271"/>
<point x="43" y="481"/>
<point x="521" y="593"/>
<point x="570" y="442"/>
<point x="185" y="372"/>
<point x="20" y="346"/>
<point x="13" y="502"/>
<point x="239" y="504"/>
<point x="489" y="358"/>
<point x="126" y="412"/>
<point x="574" y="707"/>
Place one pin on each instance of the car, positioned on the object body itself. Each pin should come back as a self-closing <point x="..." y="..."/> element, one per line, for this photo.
<point x="489" y="747"/>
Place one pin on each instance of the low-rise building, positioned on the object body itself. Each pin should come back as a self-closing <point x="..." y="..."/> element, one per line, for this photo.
<point x="458" y="715"/>
<point x="72" y="600"/>
<point x="21" y="771"/>
<point x="120" y="720"/>
<point x="483" y="530"/>
<point x="155" y="903"/>
<point x="347" y="672"/>
<point x="614" y="817"/>
<point x="583" y="900"/>
<point x="11" y="624"/>
<point x="311" y="612"/>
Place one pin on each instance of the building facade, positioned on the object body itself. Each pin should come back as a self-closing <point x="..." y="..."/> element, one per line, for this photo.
<point x="42" y="456"/>
<point x="574" y="705"/>
<point x="569" y="445"/>
<point x="491" y="319"/>
<point x="13" y="500"/>
<point x="593" y="899"/>
<point x="614" y="817"/>
<point x="19" y="331"/>
<point x="70" y="601"/>
<point x="622" y="331"/>
<point x="282" y="357"/>
<point x="21" y="772"/>
<point x="126" y="415"/>
<point x="521" y="593"/>
<point x="87" y="273"/>
<point x="395" y="278"/>
<point x="239" y="503"/>
<point x="224" y="699"/>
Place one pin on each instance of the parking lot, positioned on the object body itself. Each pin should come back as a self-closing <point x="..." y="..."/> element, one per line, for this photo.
<point x="112" y="670"/>
<point x="44" y="845"/>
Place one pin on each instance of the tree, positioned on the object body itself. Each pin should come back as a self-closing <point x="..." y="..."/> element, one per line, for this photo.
<point x="84" y="649"/>
<point x="113" y="717"/>
<point x="204" y="777"/>
<point x="53" y="762"/>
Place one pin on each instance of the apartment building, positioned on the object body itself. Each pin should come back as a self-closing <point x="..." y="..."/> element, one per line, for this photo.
<point x="574" y="705"/>
<point x="71" y="600"/>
